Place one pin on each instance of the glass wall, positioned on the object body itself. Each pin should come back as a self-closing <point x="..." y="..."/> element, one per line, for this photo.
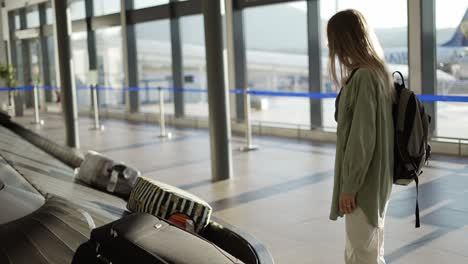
<point x="110" y="68"/>
<point x="32" y="16"/>
<point x="17" y="20"/>
<point x="192" y="33"/>
<point x="391" y="34"/>
<point x="77" y="9"/>
<point x="52" y="71"/>
<point x="277" y="60"/>
<point x="154" y="64"/>
<point x="452" y="67"/>
<point x="79" y="49"/>
<point x="19" y="63"/>
<point x="49" y="14"/>
<point x="277" y="57"/>
<point x="104" y="7"/>
<point x="137" y="4"/>
<point x="35" y="60"/>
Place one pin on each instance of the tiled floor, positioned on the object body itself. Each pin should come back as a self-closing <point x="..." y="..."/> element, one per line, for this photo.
<point x="281" y="193"/>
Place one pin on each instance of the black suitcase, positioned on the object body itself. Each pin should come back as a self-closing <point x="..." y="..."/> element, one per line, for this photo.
<point x="144" y="239"/>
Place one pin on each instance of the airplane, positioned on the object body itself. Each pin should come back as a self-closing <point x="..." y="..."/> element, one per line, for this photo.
<point x="447" y="54"/>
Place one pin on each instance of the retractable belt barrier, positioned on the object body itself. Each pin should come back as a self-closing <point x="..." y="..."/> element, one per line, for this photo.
<point x="248" y="124"/>
<point x="37" y="119"/>
<point x="97" y="126"/>
<point x="162" y="115"/>
<point x="246" y="92"/>
<point x="50" y="88"/>
<point x="422" y="97"/>
<point x="20" y="88"/>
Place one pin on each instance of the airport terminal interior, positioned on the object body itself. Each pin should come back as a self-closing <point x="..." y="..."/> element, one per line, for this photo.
<point x="212" y="121"/>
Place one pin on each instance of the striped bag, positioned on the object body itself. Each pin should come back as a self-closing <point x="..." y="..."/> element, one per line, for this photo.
<point x="164" y="201"/>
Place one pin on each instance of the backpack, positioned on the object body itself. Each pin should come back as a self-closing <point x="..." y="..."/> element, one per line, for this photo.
<point x="412" y="150"/>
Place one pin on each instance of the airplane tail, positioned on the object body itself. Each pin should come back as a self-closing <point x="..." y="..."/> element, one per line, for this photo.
<point x="460" y="38"/>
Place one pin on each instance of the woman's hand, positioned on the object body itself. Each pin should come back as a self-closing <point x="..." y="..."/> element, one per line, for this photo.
<point x="347" y="203"/>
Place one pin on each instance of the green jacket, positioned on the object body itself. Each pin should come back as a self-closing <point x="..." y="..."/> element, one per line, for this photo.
<point x="364" y="148"/>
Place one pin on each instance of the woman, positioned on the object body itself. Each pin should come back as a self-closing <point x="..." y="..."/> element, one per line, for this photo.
<point x="364" y="149"/>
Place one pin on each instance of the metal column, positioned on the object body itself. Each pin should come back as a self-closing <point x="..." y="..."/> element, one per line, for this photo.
<point x="177" y="63"/>
<point x="91" y="41"/>
<point x="44" y="53"/>
<point x="230" y="54"/>
<point x="92" y="53"/>
<point x="3" y="42"/>
<point x="429" y="57"/>
<point x="422" y="51"/>
<point x="240" y="67"/>
<point x="69" y="106"/>
<point x="17" y="101"/>
<point x="129" y="57"/>
<point x="220" y="133"/>
<point x="12" y="40"/>
<point x="315" y="61"/>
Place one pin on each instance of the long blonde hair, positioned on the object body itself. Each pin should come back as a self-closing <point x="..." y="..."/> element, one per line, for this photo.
<point x="353" y="43"/>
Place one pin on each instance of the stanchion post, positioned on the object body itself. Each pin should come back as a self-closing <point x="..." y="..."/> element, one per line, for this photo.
<point x="37" y="119"/>
<point x="162" y="116"/>
<point x="248" y="124"/>
<point x="97" y="125"/>
<point x="11" y="101"/>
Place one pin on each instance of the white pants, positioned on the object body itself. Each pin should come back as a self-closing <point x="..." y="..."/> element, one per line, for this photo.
<point x="364" y="242"/>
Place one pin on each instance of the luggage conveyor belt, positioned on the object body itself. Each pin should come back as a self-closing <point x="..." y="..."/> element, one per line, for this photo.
<point x="18" y="198"/>
<point x="51" y="234"/>
<point x="64" y="212"/>
<point x="50" y="176"/>
<point x="37" y="225"/>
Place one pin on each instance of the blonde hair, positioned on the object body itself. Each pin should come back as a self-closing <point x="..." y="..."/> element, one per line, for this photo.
<point x="353" y="43"/>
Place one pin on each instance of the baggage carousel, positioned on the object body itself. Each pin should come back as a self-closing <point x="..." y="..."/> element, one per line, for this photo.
<point x="47" y="215"/>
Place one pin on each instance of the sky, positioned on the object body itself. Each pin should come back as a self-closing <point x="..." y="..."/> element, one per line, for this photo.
<point x="393" y="13"/>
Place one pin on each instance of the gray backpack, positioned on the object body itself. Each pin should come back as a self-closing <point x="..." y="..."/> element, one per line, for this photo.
<point x="102" y="173"/>
<point x="412" y="150"/>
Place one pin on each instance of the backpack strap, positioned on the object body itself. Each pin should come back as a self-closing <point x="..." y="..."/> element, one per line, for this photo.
<point x="399" y="86"/>
<point x="351" y="75"/>
<point x="416" y="213"/>
<point x="337" y="100"/>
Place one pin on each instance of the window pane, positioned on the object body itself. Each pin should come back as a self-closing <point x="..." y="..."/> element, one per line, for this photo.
<point x="35" y="58"/>
<point x="277" y="60"/>
<point x="109" y="66"/>
<point x="391" y="33"/>
<point x="32" y="17"/>
<point x="104" y="7"/>
<point x="49" y="14"/>
<point x="52" y="72"/>
<point x="17" y="20"/>
<point x="452" y="67"/>
<point x="19" y="63"/>
<point x="79" y="49"/>
<point x="77" y="9"/>
<point x="194" y="64"/>
<point x="154" y="64"/>
<point x="148" y="3"/>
